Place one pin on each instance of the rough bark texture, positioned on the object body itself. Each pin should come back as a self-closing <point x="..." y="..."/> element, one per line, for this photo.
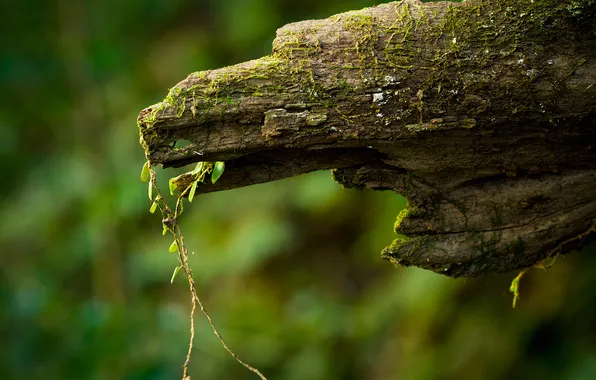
<point x="482" y="113"/>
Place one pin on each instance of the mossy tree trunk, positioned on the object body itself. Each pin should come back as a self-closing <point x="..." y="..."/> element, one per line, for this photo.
<point x="481" y="113"/>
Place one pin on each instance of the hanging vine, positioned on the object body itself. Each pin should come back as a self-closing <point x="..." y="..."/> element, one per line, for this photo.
<point x="171" y="225"/>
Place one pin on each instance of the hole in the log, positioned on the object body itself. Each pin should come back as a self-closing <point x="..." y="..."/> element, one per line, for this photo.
<point x="181" y="144"/>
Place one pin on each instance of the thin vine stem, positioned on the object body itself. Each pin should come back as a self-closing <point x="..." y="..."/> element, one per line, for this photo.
<point x="552" y="255"/>
<point x="170" y="221"/>
<point x="555" y="251"/>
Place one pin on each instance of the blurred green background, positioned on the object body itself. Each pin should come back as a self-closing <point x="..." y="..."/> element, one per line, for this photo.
<point x="290" y="271"/>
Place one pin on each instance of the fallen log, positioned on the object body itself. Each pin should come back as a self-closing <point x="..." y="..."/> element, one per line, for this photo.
<point x="481" y="113"/>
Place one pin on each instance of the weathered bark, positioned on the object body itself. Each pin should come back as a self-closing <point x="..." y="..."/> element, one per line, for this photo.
<point x="482" y="113"/>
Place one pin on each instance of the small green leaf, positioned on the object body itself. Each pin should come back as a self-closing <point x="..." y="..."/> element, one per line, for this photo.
<point x="175" y="273"/>
<point x="173" y="186"/>
<point x="145" y="172"/>
<point x="514" y="288"/>
<point x="193" y="189"/>
<point x="153" y="207"/>
<point x="165" y="230"/>
<point x="173" y="247"/>
<point x="198" y="168"/>
<point x="218" y="170"/>
<point x="150" y="191"/>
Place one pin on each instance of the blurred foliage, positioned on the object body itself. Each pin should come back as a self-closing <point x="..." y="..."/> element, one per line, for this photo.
<point x="290" y="270"/>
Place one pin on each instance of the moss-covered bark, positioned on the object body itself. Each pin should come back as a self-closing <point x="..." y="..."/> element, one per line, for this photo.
<point x="482" y="113"/>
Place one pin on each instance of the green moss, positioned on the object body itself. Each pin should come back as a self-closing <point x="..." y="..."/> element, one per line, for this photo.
<point x="366" y="31"/>
<point x="408" y="212"/>
<point x="149" y="138"/>
<point x="462" y="26"/>
<point x="360" y="21"/>
<point x="405" y="250"/>
<point x="211" y="94"/>
<point x="297" y="51"/>
<point x="399" y="241"/>
<point x="400" y="218"/>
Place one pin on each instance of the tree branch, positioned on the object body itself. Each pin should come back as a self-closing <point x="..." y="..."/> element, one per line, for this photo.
<point x="481" y="113"/>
